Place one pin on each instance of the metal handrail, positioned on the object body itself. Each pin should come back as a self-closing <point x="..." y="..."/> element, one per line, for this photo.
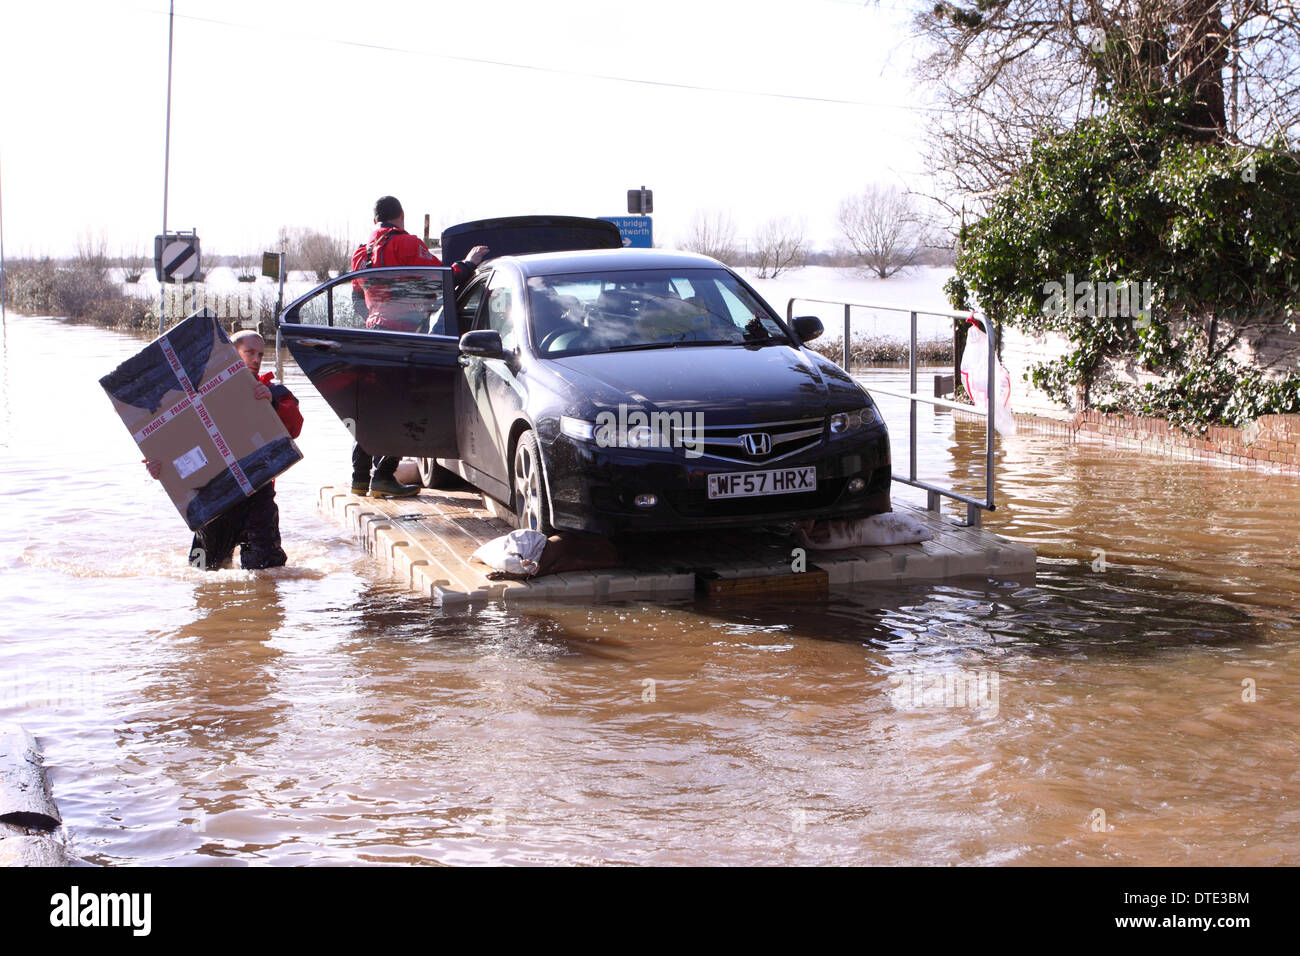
<point x="933" y="492"/>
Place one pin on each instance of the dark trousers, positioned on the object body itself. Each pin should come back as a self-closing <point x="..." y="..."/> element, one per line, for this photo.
<point x="362" y="460"/>
<point x="253" y="524"/>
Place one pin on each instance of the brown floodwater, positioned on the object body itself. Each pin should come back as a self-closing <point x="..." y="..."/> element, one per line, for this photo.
<point x="1136" y="704"/>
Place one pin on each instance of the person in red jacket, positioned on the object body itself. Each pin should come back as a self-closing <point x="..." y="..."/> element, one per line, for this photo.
<point x="391" y="245"/>
<point x="254" y="523"/>
<point x="386" y="307"/>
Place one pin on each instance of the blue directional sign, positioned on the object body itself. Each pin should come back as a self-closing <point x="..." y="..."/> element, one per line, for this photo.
<point x="637" y="231"/>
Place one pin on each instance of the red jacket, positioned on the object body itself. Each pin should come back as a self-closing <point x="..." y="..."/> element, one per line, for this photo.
<point x="390" y="246"/>
<point x="285" y="405"/>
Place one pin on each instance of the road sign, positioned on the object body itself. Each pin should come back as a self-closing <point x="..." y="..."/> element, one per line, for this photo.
<point x="637" y="231"/>
<point x="641" y="201"/>
<point x="176" y="257"/>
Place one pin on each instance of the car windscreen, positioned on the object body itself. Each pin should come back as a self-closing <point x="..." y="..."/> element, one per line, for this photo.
<point x="582" y="313"/>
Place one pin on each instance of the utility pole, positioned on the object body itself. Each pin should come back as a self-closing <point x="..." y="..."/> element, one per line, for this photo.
<point x="167" y="153"/>
<point x="4" y="320"/>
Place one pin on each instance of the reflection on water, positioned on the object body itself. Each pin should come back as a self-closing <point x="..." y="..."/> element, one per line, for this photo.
<point x="318" y="713"/>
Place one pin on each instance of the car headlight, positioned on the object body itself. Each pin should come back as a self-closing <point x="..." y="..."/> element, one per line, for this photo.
<point x="842" y="423"/>
<point x="640" y="436"/>
<point x="577" y="429"/>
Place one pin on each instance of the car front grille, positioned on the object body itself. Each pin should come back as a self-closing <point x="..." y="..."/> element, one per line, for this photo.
<point x="759" y="443"/>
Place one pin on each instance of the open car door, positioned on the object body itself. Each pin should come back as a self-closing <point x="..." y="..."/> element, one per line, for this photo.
<point x="392" y="381"/>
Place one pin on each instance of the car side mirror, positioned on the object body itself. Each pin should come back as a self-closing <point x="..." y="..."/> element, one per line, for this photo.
<point x="807" y="328"/>
<point x="483" y="343"/>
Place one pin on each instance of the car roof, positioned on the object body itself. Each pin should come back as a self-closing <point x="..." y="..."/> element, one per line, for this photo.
<point x="606" y="260"/>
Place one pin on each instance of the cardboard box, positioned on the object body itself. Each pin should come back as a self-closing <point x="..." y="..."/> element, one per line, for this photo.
<point x="187" y="400"/>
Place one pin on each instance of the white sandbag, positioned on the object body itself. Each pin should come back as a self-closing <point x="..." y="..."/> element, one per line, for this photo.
<point x="515" y="553"/>
<point x="25" y="797"/>
<point x="975" y="376"/>
<point x="408" y="472"/>
<point x="876" y="531"/>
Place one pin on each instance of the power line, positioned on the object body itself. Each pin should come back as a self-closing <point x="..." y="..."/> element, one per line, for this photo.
<point x="608" y="77"/>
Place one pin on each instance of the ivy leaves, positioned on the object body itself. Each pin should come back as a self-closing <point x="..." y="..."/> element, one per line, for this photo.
<point x="1129" y="197"/>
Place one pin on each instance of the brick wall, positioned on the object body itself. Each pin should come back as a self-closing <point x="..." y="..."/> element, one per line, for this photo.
<point x="1271" y="442"/>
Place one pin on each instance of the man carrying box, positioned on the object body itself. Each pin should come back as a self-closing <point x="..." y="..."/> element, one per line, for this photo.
<point x="254" y="523"/>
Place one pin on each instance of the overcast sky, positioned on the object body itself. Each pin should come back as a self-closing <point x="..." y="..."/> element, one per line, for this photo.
<point x="302" y="113"/>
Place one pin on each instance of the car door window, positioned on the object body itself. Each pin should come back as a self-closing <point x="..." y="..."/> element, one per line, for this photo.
<point x="500" y="315"/>
<point x="394" y="300"/>
<point x="394" y="387"/>
<point x="468" y="304"/>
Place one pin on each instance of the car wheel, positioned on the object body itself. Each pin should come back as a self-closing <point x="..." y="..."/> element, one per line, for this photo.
<point x="433" y="475"/>
<point x="531" y="507"/>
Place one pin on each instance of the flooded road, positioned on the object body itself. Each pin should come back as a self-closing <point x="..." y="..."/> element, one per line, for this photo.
<point x="1137" y="704"/>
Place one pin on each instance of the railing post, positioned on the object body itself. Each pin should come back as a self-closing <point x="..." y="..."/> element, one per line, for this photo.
<point x="911" y="362"/>
<point x="279" y="307"/>
<point x="991" y="332"/>
<point x="846" y="336"/>
<point x="934" y="496"/>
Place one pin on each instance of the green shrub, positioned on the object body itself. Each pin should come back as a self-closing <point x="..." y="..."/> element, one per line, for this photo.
<point x="1132" y="197"/>
<point x="882" y="350"/>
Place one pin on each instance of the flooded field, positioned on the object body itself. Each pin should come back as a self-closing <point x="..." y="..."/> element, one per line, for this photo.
<point x="1136" y="705"/>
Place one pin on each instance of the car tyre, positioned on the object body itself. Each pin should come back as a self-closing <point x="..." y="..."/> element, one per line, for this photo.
<point x="530" y="504"/>
<point x="433" y="475"/>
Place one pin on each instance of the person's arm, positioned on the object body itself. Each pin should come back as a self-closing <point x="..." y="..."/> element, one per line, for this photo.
<point x="463" y="271"/>
<point x="359" y="261"/>
<point x="153" y="467"/>
<point x="286" y="406"/>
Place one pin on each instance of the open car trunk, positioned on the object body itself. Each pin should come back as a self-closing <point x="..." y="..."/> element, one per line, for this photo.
<point x="521" y="235"/>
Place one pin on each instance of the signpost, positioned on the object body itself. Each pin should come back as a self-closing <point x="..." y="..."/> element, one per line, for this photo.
<point x="637" y="229"/>
<point x="167" y="162"/>
<point x="176" y="257"/>
<point x="641" y="201"/>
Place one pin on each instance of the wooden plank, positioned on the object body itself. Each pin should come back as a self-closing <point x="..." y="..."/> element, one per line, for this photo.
<point x="814" y="579"/>
<point x="427" y="541"/>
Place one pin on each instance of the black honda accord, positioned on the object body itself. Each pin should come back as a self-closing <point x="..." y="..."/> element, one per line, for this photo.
<point x="598" y="389"/>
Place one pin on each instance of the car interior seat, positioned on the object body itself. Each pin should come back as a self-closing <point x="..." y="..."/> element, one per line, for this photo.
<point x="550" y="319"/>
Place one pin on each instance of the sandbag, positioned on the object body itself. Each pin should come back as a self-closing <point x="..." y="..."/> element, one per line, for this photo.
<point x="576" y="551"/>
<point x="407" y="473"/>
<point x="975" y="376"/>
<point x="875" y="531"/>
<point x="515" y="553"/>
<point x="25" y="797"/>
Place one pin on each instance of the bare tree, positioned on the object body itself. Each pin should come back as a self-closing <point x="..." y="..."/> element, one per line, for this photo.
<point x="92" y="253"/>
<point x="247" y="266"/>
<point x="1005" y="71"/>
<point x="712" y="233"/>
<point x="780" y="244"/>
<point x="134" y="263"/>
<point x="316" y="252"/>
<point x="883" y="230"/>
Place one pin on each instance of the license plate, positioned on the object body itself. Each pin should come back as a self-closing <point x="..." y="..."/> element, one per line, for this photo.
<point x="750" y="484"/>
